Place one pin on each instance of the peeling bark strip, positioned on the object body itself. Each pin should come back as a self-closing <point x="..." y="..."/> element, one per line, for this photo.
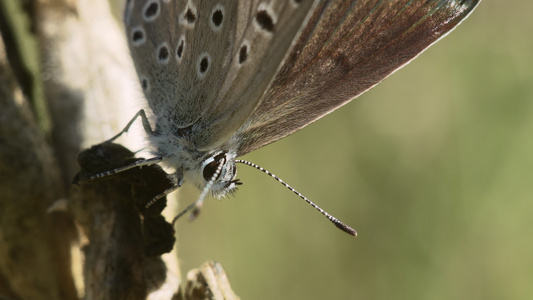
<point x="208" y="282"/>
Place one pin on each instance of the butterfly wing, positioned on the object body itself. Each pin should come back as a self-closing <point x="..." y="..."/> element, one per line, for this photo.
<point x="346" y="48"/>
<point x="265" y="32"/>
<point x="204" y="65"/>
<point x="165" y="49"/>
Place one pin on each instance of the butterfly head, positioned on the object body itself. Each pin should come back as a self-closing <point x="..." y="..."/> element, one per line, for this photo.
<point x="218" y="171"/>
<point x="213" y="170"/>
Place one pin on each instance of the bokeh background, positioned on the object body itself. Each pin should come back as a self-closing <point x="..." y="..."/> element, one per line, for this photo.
<point x="433" y="168"/>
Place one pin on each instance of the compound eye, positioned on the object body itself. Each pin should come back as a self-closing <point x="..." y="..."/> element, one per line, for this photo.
<point x="211" y="167"/>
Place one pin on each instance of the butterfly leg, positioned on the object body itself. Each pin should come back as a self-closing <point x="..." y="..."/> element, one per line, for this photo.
<point x="146" y="126"/>
<point x="139" y="163"/>
<point x="163" y="194"/>
<point x="193" y="206"/>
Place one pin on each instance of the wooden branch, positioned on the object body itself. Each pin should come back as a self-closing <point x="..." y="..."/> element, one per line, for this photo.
<point x="35" y="245"/>
<point x="208" y="282"/>
<point x="95" y="240"/>
<point x="122" y="260"/>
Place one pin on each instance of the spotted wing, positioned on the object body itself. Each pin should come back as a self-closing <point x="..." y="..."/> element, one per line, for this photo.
<point x="204" y="65"/>
<point x="265" y="35"/>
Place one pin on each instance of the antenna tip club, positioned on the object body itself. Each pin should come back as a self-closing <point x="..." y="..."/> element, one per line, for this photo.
<point x="349" y="230"/>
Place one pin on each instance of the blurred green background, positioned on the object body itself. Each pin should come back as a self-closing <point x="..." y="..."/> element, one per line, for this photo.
<point x="433" y="168"/>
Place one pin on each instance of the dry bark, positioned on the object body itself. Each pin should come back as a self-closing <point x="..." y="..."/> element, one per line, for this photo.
<point x="93" y="241"/>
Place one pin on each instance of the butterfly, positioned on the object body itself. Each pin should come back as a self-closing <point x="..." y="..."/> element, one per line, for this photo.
<point x="223" y="78"/>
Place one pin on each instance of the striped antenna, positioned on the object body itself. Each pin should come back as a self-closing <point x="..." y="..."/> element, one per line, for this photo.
<point x="349" y="230"/>
<point x="197" y="205"/>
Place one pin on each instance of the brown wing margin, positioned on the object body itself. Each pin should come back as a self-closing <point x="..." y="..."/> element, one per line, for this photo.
<point x="346" y="48"/>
